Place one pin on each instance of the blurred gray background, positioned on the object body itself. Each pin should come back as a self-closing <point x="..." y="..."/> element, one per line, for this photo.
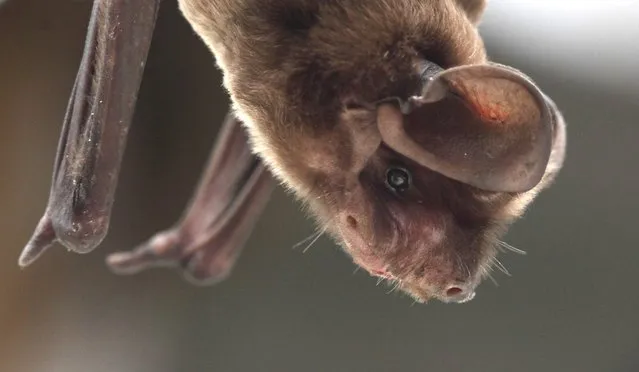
<point x="571" y="304"/>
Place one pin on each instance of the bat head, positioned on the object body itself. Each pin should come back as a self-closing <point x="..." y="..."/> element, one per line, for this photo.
<point x="386" y="118"/>
<point x="441" y="176"/>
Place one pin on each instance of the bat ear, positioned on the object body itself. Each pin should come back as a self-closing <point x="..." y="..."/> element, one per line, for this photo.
<point x="474" y="9"/>
<point x="488" y="126"/>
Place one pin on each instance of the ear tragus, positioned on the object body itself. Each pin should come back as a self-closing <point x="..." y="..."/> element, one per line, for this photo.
<point x="484" y="125"/>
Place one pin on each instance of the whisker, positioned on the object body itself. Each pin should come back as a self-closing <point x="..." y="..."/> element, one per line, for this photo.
<point x="312" y="236"/>
<point x="319" y="234"/>
<point x="510" y="247"/>
<point x="486" y="272"/>
<point x="396" y="285"/>
<point x="490" y="276"/>
<point x="500" y="266"/>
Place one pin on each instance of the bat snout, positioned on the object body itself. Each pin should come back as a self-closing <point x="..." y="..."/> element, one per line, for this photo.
<point x="454" y="292"/>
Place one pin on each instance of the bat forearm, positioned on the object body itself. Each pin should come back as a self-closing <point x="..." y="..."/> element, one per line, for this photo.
<point x="231" y="163"/>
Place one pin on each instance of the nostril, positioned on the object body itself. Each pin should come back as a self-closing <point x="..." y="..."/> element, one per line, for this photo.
<point x="459" y="293"/>
<point x="351" y="221"/>
<point x="453" y="291"/>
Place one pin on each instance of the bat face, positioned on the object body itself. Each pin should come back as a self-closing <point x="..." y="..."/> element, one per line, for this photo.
<point x="414" y="211"/>
<point x="429" y="234"/>
<point x="432" y="236"/>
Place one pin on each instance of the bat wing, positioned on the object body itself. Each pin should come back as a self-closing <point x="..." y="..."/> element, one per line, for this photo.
<point x="95" y="127"/>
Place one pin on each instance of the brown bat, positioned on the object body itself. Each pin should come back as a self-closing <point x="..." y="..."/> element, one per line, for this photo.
<point x="385" y="117"/>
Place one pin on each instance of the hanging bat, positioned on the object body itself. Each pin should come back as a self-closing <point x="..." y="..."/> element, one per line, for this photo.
<point x="384" y="117"/>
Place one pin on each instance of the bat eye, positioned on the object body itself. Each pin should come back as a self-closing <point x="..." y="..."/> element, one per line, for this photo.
<point x="398" y="179"/>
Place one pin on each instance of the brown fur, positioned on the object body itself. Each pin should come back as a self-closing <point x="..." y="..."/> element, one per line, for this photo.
<point x="301" y="74"/>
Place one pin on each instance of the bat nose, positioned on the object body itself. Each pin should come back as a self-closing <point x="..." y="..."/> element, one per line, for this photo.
<point x="459" y="293"/>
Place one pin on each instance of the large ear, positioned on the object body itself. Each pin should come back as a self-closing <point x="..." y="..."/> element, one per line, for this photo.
<point x="474" y="9"/>
<point x="487" y="126"/>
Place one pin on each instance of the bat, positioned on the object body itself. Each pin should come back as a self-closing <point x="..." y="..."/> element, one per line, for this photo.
<point x="386" y="118"/>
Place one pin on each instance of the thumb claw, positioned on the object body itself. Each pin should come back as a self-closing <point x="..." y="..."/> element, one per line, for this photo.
<point x="43" y="237"/>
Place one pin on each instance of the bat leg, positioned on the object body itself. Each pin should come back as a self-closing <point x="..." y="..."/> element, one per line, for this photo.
<point x="230" y="197"/>
<point x="95" y="127"/>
